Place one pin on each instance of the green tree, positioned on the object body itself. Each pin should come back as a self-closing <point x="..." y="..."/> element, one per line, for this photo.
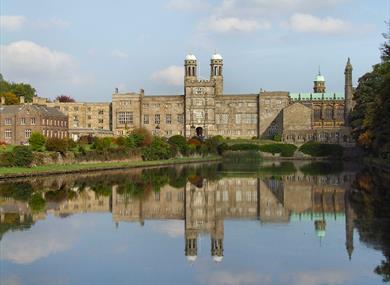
<point x="159" y="149"/>
<point x="23" y="89"/>
<point x="180" y="143"/>
<point x="37" y="141"/>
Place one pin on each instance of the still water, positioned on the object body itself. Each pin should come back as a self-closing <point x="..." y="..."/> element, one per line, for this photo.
<point x="232" y="223"/>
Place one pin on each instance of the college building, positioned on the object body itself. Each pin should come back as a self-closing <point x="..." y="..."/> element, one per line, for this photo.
<point x="204" y="110"/>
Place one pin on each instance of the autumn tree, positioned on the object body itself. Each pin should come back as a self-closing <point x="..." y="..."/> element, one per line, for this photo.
<point x="65" y="99"/>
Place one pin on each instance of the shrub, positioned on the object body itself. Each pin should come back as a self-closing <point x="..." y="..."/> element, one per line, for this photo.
<point x="322" y="149"/>
<point x="244" y="146"/>
<point x="6" y="159"/>
<point x="101" y="144"/>
<point x="277" y="137"/>
<point x="57" y="145"/>
<point x="22" y="156"/>
<point x="120" y="141"/>
<point x="194" y="141"/>
<point x="285" y="150"/>
<point x="180" y="143"/>
<point x="158" y="149"/>
<point x="37" y="141"/>
<point x="86" y="139"/>
<point x="142" y="137"/>
<point x="71" y="143"/>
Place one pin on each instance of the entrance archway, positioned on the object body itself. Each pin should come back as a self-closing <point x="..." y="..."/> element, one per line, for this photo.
<point x="199" y="131"/>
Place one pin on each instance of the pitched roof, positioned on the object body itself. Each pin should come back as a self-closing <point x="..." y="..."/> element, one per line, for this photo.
<point x="48" y="111"/>
<point x="306" y="96"/>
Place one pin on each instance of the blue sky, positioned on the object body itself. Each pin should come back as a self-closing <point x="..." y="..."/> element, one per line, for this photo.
<point x="87" y="48"/>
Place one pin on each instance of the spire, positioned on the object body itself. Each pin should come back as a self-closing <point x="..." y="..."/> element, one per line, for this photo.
<point x="349" y="65"/>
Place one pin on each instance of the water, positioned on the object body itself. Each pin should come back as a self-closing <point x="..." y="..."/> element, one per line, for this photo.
<point x="232" y="223"/>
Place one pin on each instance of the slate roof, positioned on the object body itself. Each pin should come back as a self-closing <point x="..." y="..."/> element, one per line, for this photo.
<point x="14" y="109"/>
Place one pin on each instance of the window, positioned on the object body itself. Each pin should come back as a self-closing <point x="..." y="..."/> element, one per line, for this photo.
<point x="8" y="121"/>
<point x="146" y="119"/>
<point x="89" y="126"/>
<point x="180" y="118"/>
<point x="89" y="109"/>
<point x="101" y="112"/>
<point x="157" y="119"/>
<point x="340" y="113"/>
<point x="328" y="113"/>
<point x="125" y="118"/>
<point x="75" y="118"/>
<point x="101" y="121"/>
<point x="89" y="117"/>
<point x="8" y="134"/>
<point x="23" y="121"/>
<point x="238" y="118"/>
<point x="32" y="121"/>
<point x="168" y="119"/>
<point x="27" y="133"/>
<point x="317" y="114"/>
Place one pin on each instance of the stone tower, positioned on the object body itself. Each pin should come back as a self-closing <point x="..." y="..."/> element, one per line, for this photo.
<point x="190" y="65"/>
<point x="348" y="91"/>
<point x="319" y="83"/>
<point x="216" y="73"/>
<point x="217" y="240"/>
<point x="349" y="225"/>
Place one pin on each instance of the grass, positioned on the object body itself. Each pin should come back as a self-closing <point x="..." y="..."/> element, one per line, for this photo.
<point x="68" y="168"/>
<point x="250" y="141"/>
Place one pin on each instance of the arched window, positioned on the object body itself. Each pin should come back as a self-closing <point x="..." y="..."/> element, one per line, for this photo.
<point x="340" y="113"/>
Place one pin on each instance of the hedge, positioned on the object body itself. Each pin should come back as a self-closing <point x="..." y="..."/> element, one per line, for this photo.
<point x="285" y="150"/>
<point x="321" y="149"/>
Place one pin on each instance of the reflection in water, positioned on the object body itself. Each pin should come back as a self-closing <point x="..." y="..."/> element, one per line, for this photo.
<point x="205" y="196"/>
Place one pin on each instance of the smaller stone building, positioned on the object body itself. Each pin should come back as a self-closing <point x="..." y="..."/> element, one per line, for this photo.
<point x="85" y="118"/>
<point x="18" y="122"/>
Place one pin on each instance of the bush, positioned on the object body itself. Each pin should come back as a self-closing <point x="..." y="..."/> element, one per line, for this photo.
<point x="322" y="149"/>
<point x="86" y="140"/>
<point x="142" y="137"/>
<point x="158" y="149"/>
<point x="6" y="159"/>
<point x="101" y="144"/>
<point x="57" y="145"/>
<point x="277" y="137"/>
<point x="285" y="150"/>
<point x="37" y="141"/>
<point x="244" y="146"/>
<point x="120" y="141"/>
<point x="22" y="156"/>
<point x="180" y="143"/>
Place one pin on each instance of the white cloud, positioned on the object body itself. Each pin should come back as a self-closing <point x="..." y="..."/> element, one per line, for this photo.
<point x="29" y="62"/>
<point x="231" y="24"/>
<point x="188" y="5"/>
<point x="43" y="240"/>
<point x="172" y="75"/>
<point x="11" y="23"/>
<point x="119" y="54"/>
<point x="330" y="277"/>
<point x="268" y="8"/>
<point x="310" y="23"/>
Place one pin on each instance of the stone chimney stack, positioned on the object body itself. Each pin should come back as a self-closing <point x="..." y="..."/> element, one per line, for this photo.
<point x="21" y="98"/>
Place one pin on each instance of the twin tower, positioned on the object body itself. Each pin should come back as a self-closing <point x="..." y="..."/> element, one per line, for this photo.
<point x="216" y="73"/>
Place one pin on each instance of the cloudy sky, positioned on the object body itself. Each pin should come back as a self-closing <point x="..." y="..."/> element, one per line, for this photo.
<point x="87" y="48"/>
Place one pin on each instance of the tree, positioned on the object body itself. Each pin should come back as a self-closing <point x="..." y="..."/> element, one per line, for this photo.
<point x="23" y="89"/>
<point x="57" y="145"/>
<point x="10" y="98"/>
<point x="22" y="156"/>
<point x="65" y="99"/>
<point x="37" y="141"/>
<point x="180" y="143"/>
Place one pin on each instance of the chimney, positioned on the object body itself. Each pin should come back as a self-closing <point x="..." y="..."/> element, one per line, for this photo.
<point x="116" y="90"/>
<point x="2" y="100"/>
<point x="21" y="98"/>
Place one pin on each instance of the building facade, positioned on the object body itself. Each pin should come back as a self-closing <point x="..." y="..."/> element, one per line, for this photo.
<point x="204" y="110"/>
<point x="84" y="118"/>
<point x="18" y="122"/>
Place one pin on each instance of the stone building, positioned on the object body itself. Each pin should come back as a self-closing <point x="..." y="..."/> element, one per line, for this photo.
<point x="18" y="122"/>
<point x="84" y="118"/>
<point x="205" y="110"/>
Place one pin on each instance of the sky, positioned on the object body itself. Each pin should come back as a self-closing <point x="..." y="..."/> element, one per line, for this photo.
<point x="86" y="49"/>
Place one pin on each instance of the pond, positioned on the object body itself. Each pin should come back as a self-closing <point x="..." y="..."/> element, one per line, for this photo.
<point x="236" y="222"/>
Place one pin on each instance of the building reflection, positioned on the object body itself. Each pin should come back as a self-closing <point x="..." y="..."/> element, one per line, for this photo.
<point x="204" y="205"/>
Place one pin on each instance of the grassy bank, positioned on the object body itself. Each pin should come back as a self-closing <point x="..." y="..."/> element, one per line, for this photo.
<point x="12" y="172"/>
